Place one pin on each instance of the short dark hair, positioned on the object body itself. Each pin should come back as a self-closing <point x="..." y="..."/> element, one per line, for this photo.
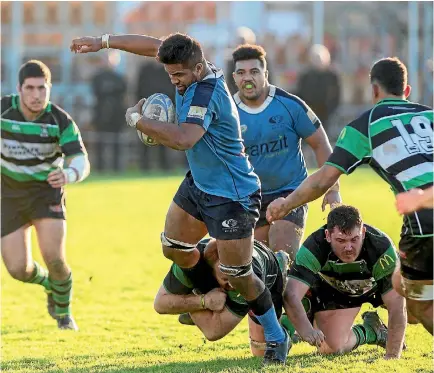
<point x="345" y="218"/>
<point x="391" y="74"/>
<point x="34" y="69"/>
<point x="180" y="48"/>
<point x="246" y="52"/>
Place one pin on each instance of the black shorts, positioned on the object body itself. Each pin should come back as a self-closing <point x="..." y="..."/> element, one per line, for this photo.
<point x="42" y="203"/>
<point x="297" y="216"/>
<point x="277" y="297"/>
<point x="416" y="255"/>
<point x="323" y="297"/>
<point x="224" y="218"/>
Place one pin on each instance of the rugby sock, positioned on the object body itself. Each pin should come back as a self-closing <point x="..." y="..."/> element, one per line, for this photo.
<point x="62" y="294"/>
<point x="39" y="276"/>
<point x="264" y="311"/>
<point x="364" y="335"/>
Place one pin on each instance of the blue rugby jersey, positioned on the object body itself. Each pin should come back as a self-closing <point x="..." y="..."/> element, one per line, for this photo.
<point x="272" y="135"/>
<point x="217" y="161"/>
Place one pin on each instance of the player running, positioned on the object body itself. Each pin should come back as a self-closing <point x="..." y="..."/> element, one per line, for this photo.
<point x="273" y="123"/>
<point x="41" y="151"/>
<point x="395" y="138"/>
<point x="341" y="266"/>
<point x="221" y="193"/>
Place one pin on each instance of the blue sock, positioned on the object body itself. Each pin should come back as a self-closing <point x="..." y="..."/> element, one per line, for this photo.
<point x="272" y="329"/>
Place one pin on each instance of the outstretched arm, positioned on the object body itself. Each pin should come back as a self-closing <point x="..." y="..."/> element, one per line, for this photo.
<point x="310" y="189"/>
<point x="414" y="200"/>
<point x="138" y="44"/>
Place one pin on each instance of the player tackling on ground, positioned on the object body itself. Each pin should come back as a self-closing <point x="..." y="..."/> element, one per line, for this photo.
<point x="220" y="195"/>
<point x="41" y="152"/>
<point x="273" y="123"/>
<point x="395" y="138"/>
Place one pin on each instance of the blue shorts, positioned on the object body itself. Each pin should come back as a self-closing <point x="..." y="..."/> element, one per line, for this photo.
<point x="224" y="218"/>
<point x="297" y="216"/>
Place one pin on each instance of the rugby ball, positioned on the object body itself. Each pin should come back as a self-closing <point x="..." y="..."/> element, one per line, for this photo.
<point x="157" y="107"/>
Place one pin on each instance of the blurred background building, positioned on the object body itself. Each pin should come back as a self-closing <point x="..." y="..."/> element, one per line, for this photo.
<point x="355" y="34"/>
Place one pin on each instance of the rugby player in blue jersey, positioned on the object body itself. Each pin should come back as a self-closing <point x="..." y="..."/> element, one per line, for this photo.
<point x="221" y="194"/>
<point x="273" y="123"/>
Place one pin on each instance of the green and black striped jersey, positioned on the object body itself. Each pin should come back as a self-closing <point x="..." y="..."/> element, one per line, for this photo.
<point x="395" y="138"/>
<point x="369" y="273"/>
<point x="264" y="263"/>
<point x="31" y="150"/>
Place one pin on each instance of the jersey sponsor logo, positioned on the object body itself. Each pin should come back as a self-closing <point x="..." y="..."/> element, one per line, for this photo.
<point x="385" y="261"/>
<point x="197" y="112"/>
<point x="268" y="147"/>
<point x="243" y="128"/>
<point x="276" y="119"/>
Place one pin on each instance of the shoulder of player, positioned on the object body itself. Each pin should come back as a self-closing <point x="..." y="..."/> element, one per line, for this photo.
<point x="61" y="117"/>
<point x="377" y="240"/>
<point x="289" y="99"/>
<point x="6" y="102"/>
<point x="316" y="242"/>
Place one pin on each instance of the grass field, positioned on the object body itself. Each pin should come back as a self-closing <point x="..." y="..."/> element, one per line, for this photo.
<point x="114" y="251"/>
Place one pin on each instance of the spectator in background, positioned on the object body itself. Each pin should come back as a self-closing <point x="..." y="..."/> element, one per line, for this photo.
<point x="152" y="79"/>
<point x="109" y="89"/>
<point x="244" y="35"/>
<point x="319" y="85"/>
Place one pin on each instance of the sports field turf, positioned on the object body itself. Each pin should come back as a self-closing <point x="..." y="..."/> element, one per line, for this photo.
<point x="114" y="250"/>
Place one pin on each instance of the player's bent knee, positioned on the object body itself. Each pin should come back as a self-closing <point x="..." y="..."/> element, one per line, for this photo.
<point x="331" y="348"/>
<point x="213" y="335"/>
<point x="19" y="272"/>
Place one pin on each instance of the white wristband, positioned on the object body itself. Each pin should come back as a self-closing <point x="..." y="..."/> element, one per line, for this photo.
<point x="134" y="118"/>
<point x="105" y="41"/>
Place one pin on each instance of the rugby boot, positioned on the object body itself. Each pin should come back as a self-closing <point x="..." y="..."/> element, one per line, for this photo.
<point x="277" y="353"/>
<point x="372" y="319"/>
<point x="66" y="323"/>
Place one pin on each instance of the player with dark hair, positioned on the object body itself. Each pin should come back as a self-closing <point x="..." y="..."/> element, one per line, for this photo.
<point x="214" y="306"/>
<point x="341" y="266"/>
<point x="273" y="123"/>
<point x="41" y="151"/>
<point x="395" y="138"/>
<point x="221" y="194"/>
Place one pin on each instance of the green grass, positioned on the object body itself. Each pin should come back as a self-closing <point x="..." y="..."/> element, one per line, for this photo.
<point x="114" y="250"/>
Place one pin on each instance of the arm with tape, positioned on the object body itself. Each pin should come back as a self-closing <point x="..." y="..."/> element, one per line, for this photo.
<point x="77" y="169"/>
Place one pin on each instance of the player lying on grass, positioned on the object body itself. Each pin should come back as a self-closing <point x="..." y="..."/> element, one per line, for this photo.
<point x="395" y="138"/>
<point x="215" y="307"/>
<point x="341" y="266"/>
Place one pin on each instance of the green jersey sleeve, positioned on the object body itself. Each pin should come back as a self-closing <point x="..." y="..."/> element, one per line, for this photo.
<point x="383" y="269"/>
<point x="176" y="282"/>
<point x="353" y="146"/>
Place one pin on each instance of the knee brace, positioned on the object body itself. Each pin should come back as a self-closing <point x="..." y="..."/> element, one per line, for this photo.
<point x="236" y="271"/>
<point x="176" y="245"/>
<point x="417" y="289"/>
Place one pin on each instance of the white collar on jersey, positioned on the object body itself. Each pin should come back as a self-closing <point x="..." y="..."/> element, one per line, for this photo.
<point x="258" y="109"/>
